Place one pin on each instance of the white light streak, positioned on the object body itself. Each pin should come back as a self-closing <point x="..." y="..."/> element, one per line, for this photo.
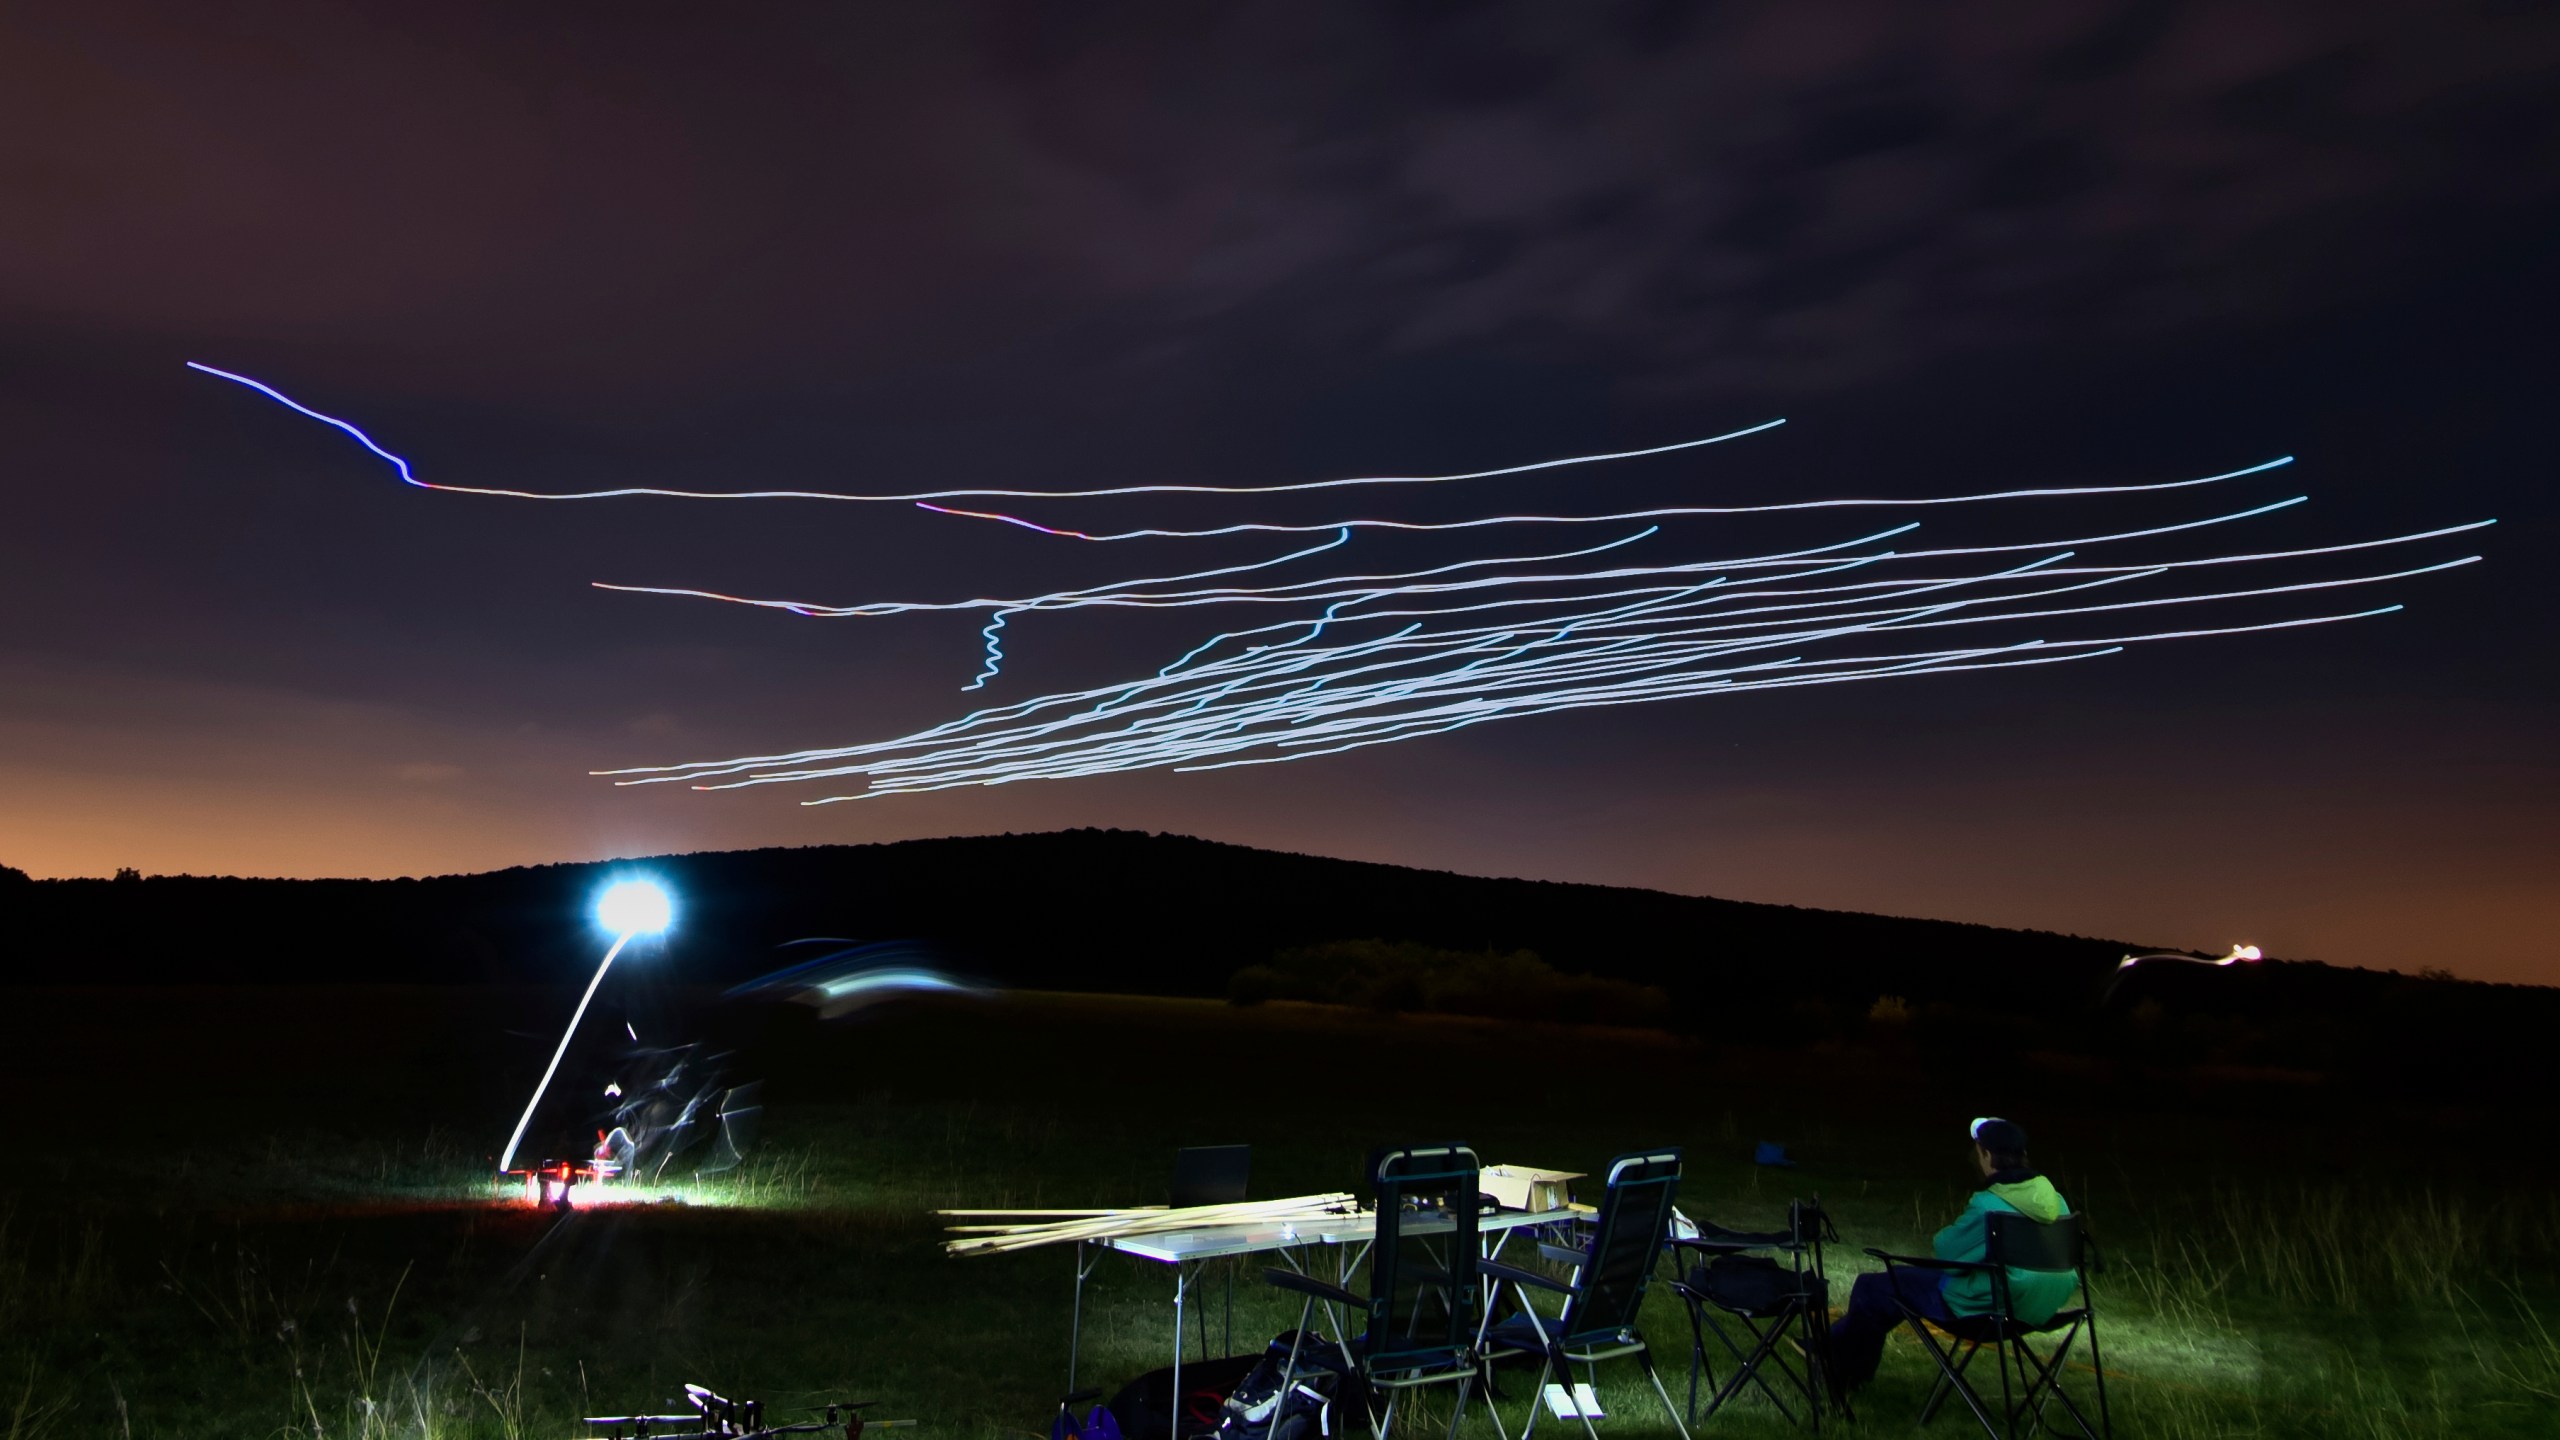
<point x="1427" y="644"/>
<point x="628" y="908"/>
<point x="626" y="492"/>
<point x="1590" y="643"/>
<point x="1659" y="513"/>
<point x="507" y="1159"/>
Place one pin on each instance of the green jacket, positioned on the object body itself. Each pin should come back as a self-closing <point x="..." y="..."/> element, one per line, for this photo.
<point x="2036" y="1294"/>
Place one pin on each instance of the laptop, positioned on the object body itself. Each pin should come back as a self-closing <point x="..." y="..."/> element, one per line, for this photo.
<point x="1210" y="1174"/>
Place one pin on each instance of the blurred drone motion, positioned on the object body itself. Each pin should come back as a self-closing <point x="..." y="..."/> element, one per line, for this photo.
<point x="677" y="1112"/>
<point x="855" y="977"/>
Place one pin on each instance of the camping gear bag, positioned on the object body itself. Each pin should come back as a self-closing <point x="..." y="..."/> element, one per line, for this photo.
<point x="1256" y="1410"/>
<point x="1145" y="1406"/>
<point x="1751" y="1284"/>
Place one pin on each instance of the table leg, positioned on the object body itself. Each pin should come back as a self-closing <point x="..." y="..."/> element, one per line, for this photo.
<point x="1173" y="1420"/>
<point x="1075" y="1316"/>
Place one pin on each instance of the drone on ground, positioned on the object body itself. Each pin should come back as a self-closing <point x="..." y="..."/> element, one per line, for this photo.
<point x="716" y="1417"/>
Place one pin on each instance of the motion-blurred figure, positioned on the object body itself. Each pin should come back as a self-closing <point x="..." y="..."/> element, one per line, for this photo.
<point x="676" y="1105"/>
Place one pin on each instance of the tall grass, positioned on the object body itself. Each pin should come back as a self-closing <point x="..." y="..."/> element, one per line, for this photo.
<point x="37" y="1297"/>
<point x="317" y="1286"/>
<point x="2331" y="1309"/>
<point x="2344" y="1248"/>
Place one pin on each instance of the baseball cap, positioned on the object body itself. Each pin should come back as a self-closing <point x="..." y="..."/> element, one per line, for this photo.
<point x="1993" y="1133"/>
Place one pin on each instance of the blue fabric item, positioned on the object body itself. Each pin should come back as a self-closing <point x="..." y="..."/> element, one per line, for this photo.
<point x="1875" y="1307"/>
<point x="1099" y="1424"/>
<point x="1515" y="1331"/>
<point x="1770" y="1152"/>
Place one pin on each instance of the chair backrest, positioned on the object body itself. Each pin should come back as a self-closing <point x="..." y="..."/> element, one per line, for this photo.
<point x="2019" y="1243"/>
<point x="1210" y="1174"/>
<point x="1809" y="1228"/>
<point x="1626" y="1238"/>
<point x="1422" y="1265"/>
<point x="2014" y="1242"/>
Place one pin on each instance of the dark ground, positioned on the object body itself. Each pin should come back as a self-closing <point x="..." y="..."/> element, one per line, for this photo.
<point x="246" y="1211"/>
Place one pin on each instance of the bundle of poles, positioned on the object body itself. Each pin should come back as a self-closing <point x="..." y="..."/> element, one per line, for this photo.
<point x="1004" y="1230"/>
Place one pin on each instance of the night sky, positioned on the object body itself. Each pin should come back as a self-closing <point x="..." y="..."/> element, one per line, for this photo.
<point x="854" y="246"/>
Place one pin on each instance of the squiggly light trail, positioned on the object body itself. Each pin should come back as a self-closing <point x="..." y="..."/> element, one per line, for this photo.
<point x="1380" y="655"/>
<point x="626" y="492"/>
<point x="1295" y="700"/>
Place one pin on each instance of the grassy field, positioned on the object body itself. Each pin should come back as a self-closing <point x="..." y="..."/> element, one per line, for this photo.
<point x="261" y="1213"/>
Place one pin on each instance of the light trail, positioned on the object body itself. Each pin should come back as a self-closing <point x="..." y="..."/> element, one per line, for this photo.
<point x="1122" y="594"/>
<point x="1377" y="695"/>
<point x="2239" y="955"/>
<point x="1657" y="513"/>
<point x="1372" y="586"/>
<point x="1703" y="636"/>
<point x="626" y="492"/>
<point x="856" y="977"/>
<point x="1407" y="646"/>
<point x="507" y="1159"/>
<point x="628" y="908"/>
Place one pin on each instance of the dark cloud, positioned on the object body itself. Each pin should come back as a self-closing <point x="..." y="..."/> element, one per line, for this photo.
<point x="1792" y="195"/>
<point x="1757" y="195"/>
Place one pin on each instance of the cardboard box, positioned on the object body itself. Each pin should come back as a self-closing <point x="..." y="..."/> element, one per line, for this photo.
<point x="1524" y="1187"/>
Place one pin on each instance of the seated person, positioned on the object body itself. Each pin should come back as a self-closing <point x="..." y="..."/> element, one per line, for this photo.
<point x="2011" y="1185"/>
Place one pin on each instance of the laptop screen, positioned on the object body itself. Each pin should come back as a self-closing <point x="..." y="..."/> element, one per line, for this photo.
<point x="1210" y="1174"/>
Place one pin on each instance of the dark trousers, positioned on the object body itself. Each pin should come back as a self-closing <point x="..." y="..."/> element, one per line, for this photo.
<point x="1875" y="1307"/>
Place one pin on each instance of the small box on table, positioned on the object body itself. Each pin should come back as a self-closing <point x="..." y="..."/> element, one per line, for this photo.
<point x="1523" y="1187"/>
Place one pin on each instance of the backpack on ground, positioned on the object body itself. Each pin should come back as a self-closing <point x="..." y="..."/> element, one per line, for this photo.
<point x="1256" y="1410"/>
<point x="1148" y="1409"/>
<point x="1753" y="1284"/>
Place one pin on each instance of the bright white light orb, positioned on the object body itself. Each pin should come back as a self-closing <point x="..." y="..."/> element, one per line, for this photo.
<point x="634" y="907"/>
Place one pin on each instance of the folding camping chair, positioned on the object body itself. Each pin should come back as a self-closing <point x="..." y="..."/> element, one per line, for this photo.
<point x="2014" y="1242"/>
<point x="1737" y="1273"/>
<point x="1423" y="1290"/>
<point x="1606" y="1293"/>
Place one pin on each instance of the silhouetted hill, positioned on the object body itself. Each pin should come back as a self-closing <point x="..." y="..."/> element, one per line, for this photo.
<point x="1125" y="911"/>
<point x="1166" y="914"/>
<point x="1083" y="909"/>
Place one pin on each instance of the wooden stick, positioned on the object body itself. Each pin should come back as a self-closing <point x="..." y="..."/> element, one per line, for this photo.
<point x="1188" y="1214"/>
<point x="1116" y="1210"/>
<point x="1157" y="1221"/>
<point x="1149" y="1220"/>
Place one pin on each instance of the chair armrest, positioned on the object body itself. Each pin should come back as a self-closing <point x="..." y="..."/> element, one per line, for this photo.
<point x="1744" y="1239"/>
<point x="1705" y="1245"/>
<point x="1518" y="1276"/>
<point x="1287" y="1279"/>
<point x="1926" y="1262"/>
<point x="1564" y="1254"/>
